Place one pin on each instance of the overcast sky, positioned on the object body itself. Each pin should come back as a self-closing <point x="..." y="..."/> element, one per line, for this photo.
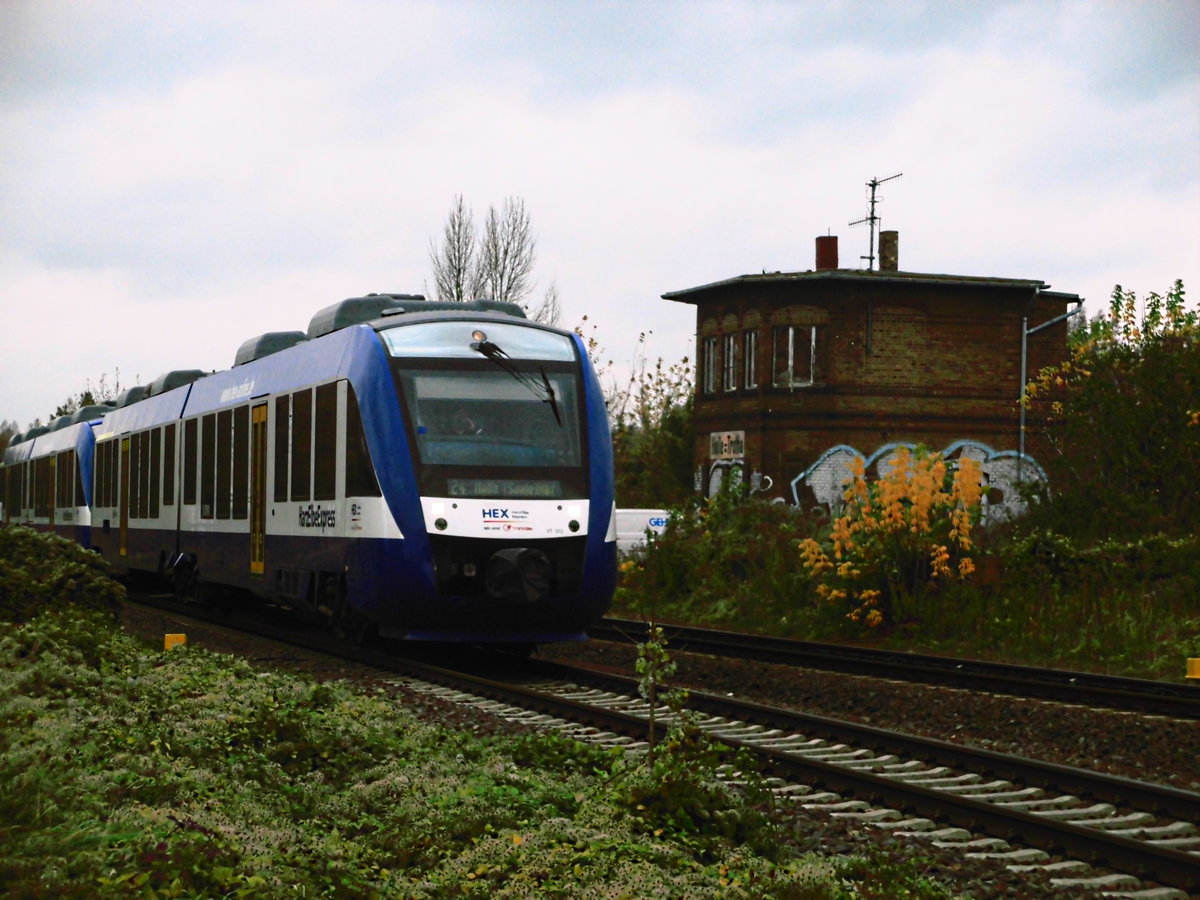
<point x="178" y="177"/>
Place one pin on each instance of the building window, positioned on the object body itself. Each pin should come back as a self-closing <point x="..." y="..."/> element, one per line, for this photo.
<point x="708" y="362"/>
<point x="729" y="369"/>
<point x="750" y="358"/>
<point x="794" y="355"/>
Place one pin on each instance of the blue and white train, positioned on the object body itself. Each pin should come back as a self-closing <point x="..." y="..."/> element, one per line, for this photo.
<point x="419" y="470"/>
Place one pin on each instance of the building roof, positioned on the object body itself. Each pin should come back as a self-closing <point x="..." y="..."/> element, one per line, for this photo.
<point x="690" y="295"/>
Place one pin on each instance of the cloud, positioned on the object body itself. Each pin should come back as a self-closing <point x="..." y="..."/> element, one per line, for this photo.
<point x="184" y="177"/>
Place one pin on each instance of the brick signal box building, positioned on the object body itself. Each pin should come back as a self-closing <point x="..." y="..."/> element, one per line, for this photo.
<point x="794" y="364"/>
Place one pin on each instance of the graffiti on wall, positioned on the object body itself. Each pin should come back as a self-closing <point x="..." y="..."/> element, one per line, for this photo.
<point x="1002" y="471"/>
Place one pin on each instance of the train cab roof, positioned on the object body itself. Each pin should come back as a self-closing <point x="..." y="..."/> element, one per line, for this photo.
<point x="171" y="380"/>
<point x="88" y="413"/>
<point x="131" y="395"/>
<point x="266" y="344"/>
<point x="356" y="310"/>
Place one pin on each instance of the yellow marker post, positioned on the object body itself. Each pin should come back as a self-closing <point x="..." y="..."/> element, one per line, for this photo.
<point x="1193" y="669"/>
<point x="174" y="640"/>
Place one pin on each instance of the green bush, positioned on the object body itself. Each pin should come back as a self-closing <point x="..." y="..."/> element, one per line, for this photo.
<point x="40" y="570"/>
<point x="1124" y="422"/>
<point x="730" y="562"/>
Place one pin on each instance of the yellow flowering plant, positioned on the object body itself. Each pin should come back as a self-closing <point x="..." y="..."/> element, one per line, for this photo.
<point x="897" y="537"/>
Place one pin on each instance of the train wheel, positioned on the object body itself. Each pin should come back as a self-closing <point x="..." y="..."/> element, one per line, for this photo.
<point x="185" y="580"/>
<point x="521" y="650"/>
<point x="351" y="625"/>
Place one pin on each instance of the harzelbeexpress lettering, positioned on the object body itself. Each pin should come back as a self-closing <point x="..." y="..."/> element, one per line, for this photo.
<point x="316" y="517"/>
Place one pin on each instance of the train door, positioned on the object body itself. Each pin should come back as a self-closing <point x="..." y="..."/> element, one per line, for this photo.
<point x="123" y="497"/>
<point x="258" y="487"/>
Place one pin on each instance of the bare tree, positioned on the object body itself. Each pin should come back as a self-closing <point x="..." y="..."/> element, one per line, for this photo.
<point x="497" y="265"/>
<point x="549" y="311"/>
<point x="454" y="262"/>
<point x="507" y="253"/>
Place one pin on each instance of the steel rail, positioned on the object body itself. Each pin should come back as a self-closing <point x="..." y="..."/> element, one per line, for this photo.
<point x="1136" y="694"/>
<point x="1164" y="865"/>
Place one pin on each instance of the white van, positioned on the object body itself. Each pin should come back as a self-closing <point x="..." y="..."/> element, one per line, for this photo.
<point x="632" y="525"/>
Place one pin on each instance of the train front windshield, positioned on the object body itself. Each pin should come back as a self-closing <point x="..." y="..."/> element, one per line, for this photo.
<point x="493" y="409"/>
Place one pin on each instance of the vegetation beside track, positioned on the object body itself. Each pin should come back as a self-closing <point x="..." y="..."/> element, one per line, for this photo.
<point x="129" y="771"/>
<point x="1101" y="574"/>
<point x="1118" y="606"/>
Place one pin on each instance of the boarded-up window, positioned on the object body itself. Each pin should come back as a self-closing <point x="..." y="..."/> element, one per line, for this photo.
<point x="708" y="365"/>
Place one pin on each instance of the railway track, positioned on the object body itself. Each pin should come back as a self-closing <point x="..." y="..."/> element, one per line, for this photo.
<point x="1104" y="691"/>
<point x="1132" y="838"/>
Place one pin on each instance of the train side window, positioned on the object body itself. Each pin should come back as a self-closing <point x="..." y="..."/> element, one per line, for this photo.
<point x="141" y="480"/>
<point x="301" y="445"/>
<point x="208" y="465"/>
<point x="168" y="490"/>
<point x="114" y="470"/>
<point x="99" y="486"/>
<point x="325" y="460"/>
<point x="127" y="494"/>
<point x="64" y="483"/>
<point x="191" y="438"/>
<point x="23" y="488"/>
<point x="282" y="442"/>
<point x="41" y="487"/>
<point x="360" y="474"/>
<point x="103" y="487"/>
<point x="77" y="477"/>
<point x="155" y="471"/>
<point x="241" y="462"/>
<point x="224" y="450"/>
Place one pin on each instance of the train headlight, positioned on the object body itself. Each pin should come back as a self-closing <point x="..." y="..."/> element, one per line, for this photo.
<point x="573" y="525"/>
<point x="439" y="524"/>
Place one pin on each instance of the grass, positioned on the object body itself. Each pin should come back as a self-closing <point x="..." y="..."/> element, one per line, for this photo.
<point x="126" y="770"/>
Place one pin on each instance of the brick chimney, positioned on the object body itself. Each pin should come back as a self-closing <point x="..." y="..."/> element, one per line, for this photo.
<point x="827" y="252"/>
<point x="889" y="251"/>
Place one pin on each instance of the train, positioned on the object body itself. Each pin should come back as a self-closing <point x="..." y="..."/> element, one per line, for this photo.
<point x="406" y="469"/>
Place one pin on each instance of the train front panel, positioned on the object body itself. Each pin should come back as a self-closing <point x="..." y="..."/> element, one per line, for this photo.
<point x="498" y="469"/>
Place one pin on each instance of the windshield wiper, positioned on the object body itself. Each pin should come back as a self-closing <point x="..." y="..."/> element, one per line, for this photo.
<point x="542" y="390"/>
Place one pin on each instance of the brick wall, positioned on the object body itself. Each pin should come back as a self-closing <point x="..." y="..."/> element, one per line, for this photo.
<point x="925" y="363"/>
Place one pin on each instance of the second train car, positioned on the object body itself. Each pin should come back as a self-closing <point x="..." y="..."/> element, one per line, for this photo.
<point x="420" y="470"/>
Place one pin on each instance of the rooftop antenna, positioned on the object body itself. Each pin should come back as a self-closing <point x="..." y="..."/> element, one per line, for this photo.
<point x="872" y="219"/>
